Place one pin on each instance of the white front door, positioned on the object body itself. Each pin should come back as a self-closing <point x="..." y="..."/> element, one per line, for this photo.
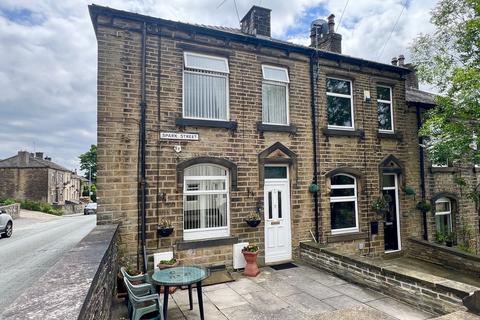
<point x="278" y="239"/>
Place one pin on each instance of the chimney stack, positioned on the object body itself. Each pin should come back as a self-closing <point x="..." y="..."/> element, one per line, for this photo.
<point x="39" y="155"/>
<point x="411" y="80"/>
<point x="23" y="158"/>
<point x="401" y="60"/>
<point x="256" y="22"/>
<point x="323" y="36"/>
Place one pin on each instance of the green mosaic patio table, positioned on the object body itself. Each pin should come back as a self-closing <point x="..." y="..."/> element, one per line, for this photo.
<point x="181" y="276"/>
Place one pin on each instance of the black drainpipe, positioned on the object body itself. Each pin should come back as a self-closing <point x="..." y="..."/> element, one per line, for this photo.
<point x="313" y="83"/>
<point x="422" y="171"/>
<point x="142" y="182"/>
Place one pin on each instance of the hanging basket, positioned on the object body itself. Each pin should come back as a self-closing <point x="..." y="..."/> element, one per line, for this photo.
<point x="164" y="232"/>
<point x="313" y="188"/>
<point x="253" y="223"/>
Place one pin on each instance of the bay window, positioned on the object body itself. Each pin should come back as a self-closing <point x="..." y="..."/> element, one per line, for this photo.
<point x="206" y="202"/>
<point x="340" y="104"/>
<point x="205" y="87"/>
<point x="275" y="95"/>
<point x="343" y="204"/>
<point x="385" y="109"/>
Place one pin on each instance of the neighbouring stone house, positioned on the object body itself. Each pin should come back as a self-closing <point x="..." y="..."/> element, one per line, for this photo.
<point x="204" y="125"/>
<point x="35" y="177"/>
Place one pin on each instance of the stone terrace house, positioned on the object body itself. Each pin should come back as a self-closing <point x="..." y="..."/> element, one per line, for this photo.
<point x="205" y="125"/>
<point x="35" y="177"/>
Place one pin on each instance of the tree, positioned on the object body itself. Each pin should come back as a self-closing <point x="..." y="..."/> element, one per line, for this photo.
<point x="88" y="161"/>
<point x="449" y="59"/>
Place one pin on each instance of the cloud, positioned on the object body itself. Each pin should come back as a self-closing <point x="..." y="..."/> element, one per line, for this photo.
<point x="48" y="56"/>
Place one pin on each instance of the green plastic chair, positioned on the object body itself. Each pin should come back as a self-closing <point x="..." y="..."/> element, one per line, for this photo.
<point x="141" y="305"/>
<point x="139" y="288"/>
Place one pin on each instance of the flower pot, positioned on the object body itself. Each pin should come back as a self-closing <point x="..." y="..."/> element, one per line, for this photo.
<point x="449" y="243"/>
<point x="251" y="269"/>
<point x="164" y="232"/>
<point x="253" y="223"/>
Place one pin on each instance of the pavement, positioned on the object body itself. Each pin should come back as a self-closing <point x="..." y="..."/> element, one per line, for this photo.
<point x="302" y="293"/>
<point x="37" y="243"/>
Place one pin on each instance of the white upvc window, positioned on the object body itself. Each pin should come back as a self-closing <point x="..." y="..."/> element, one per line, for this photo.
<point x="340" y="112"/>
<point x="385" y="109"/>
<point x="275" y="95"/>
<point x="443" y="216"/>
<point x="206" y="202"/>
<point x="343" y="204"/>
<point x="205" y="87"/>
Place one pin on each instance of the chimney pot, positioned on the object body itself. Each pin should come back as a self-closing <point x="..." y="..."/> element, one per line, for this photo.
<point x="401" y="60"/>
<point x="394" y="61"/>
<point x="331" y="23"/>
<point x="48" y="158"/>
<point x="256" y="22"/>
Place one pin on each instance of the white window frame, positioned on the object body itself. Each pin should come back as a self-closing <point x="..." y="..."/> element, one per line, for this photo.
<point x="334" y="199"/>
<point x="210" y="72"/>
<point x="444" y="213"/>
<point x="389" y="102"/>
<point x="277" y="83"/>
<point x="206" y="233"/>
<point x="350" y="96"/>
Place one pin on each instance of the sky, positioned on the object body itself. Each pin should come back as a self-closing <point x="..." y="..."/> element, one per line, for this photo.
<point x="48" y="55"/>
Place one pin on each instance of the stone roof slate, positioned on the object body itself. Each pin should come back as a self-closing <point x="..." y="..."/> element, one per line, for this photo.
<point x="417" y="96"/>
<point x="14" y="162"/>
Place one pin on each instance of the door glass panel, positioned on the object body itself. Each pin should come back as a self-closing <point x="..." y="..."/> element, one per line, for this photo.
<point x="279" y="193"/>
<point x="388" y="180"/>
<point x="269" y="204"/>
<point x="275" y="172"/>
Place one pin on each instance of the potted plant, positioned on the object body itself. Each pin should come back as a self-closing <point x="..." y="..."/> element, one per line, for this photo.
<point x="165" y="264"/>
<point x="424" y="206"/>
<point x="380" y="205"/>
<point x="165" y="228"/>
<point x="449" y="239"/>
<point x="409" y="191"/>
<point x="439" y="237"/>
<point x="253" y="219"/>
<point x="250" y="254"/>
<point x="131" y="270"/>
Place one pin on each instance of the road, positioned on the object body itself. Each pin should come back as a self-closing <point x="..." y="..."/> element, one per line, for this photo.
<point x="37" y="243"/>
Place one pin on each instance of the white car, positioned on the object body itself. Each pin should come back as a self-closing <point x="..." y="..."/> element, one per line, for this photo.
<point x="90" y="208"/>
<point x="6" y="224"/>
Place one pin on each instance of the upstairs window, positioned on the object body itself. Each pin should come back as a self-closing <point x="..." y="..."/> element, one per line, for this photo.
<point x="205" y="202"/>
<point x="443" y="216"/>
<point x="385" y="110"/>
<point x="340" y="104"/>
<point x="205" y="87"/>
<point x="275" y="95"/>
<point x="343" y="204"/>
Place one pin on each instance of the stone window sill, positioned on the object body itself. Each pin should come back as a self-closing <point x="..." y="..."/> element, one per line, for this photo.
<point x="387" y="135"/>
<point x="184" y="122"/>
<point x="261" y="127"/>
<point x="347" y="237"/>
<point x="205" y="243"/>
<point x="343" y="133"/>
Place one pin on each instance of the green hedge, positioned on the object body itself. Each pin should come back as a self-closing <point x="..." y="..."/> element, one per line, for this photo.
<point x="34" y="206"/>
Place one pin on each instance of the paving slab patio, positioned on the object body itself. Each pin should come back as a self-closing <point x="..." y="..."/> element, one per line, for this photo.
<point x="302" y="293"/>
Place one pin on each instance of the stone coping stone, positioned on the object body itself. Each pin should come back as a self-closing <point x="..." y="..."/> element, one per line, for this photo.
<point x="61" y="292"/>
<point x="452" y="251"/>
<point x="385" y="267"/>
